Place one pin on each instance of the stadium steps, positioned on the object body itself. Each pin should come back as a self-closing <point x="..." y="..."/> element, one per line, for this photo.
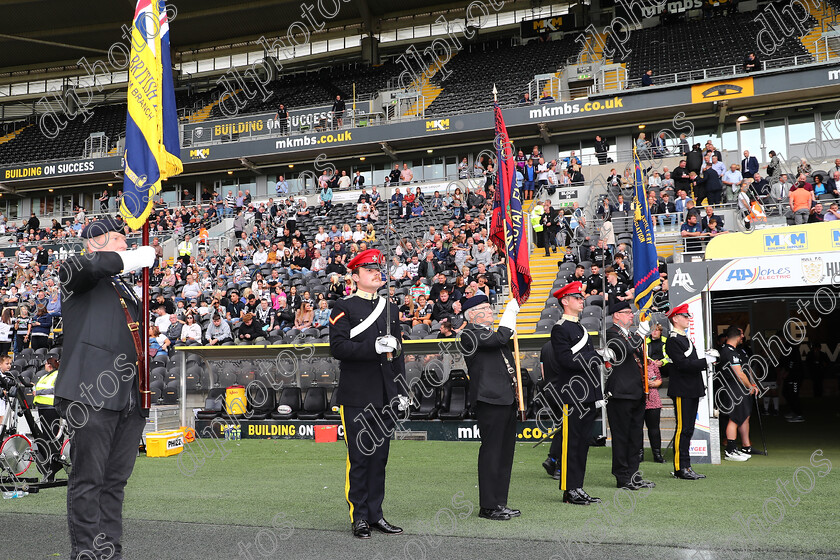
<point x="12" y="135"/>
<point x="826" y="17"/>
<point x="427" y="89"/>
<point x="543" y="273"/>
<point x="204" y="113"/>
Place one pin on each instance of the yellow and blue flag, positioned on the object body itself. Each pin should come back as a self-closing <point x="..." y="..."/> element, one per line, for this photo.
<point x="645" y="263"/>
<point x="152" y="146"/>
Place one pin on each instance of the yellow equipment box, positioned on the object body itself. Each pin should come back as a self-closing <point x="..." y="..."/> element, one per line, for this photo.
<point x="164" y="444"/>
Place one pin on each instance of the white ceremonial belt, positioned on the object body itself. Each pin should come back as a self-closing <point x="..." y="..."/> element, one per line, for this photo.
<point x="580" y="343"/>
<point x="369" y="320"/>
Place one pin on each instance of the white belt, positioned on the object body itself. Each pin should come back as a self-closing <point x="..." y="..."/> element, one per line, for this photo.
<point x="369" y="320"/>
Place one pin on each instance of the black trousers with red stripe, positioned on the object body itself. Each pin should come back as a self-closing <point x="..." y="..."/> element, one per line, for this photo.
<point x="570" y="444"/>
<point x="685" y="411"/>
<point x="367" y="455"/>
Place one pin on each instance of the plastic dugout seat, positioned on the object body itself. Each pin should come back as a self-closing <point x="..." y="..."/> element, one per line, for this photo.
<point x="591" y="323"/>
<point x="171" y="392"/>
<point x="544" y="326"/>
<point x="289" y="396"/>
<point x="454" y="402"/>
<point x="214" y="404"/>
<point x="551" y="313"/>
<point x="261" y="400"/>
<point x="425" y="406"/>
<point x="596" y="300"/>
<point x="315" y="404"/>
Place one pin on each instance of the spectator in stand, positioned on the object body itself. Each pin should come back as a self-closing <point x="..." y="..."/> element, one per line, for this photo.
<point x="393" y="178"/>
<point x="749" y="165"/>
<point x="601" y="149"/>
<point x="665" y="210"/>
<point x="343" y="181"/>
<point x="338" y="112"/>
<point x="660" y="149"/>
<point x="691" y="231"/>
<point x="647" y="78"/>
<point x="779" y="190"/>
<point x="358" y="180"/>
<point x="816" y="216"/>
<point x="158" y="343"/>
<point x="464" y="169"/>
<point x="396" y="199"/>
<point x="322" y="315"/>
<point x="819" y="186"/>
<point x="250" y="331"/>
<point x="529" y="176"/>
<point x="710" y="214"/>
<point x="804" y="168"/>
<point x="751" y="63"/>
<point x="283" y="117"/>
<point x="406" y="175"/>
<point x="542" y="174"/>
<point x="281" y="187"/>
<point x="525" y="99"/>
<point x="683" y="145"/>
<point x="191" y="332"/>
<point x="642" y="145"/>
<point x="833" y="214"/>
<point x="731" y="182"/>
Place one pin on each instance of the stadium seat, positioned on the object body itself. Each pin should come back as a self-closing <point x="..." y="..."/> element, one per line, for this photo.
<point x="425" y="406"/>
<point x="315" y="404"/>
<point x="454" y="401"/>
<point x="214" y="404"/>
<point x="261" y="400"/>
<point x="291" y="397"/>
<point x="332" y="412"/>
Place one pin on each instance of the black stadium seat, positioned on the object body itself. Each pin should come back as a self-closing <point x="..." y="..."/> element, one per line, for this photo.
<point x="288" y="396"/>
<point x="315" y="404"/>
<point x="454" y="402"/>
<point x="214" y="404"/>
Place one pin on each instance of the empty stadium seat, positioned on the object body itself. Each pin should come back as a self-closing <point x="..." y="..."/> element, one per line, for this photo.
<point x="314" y="405"/>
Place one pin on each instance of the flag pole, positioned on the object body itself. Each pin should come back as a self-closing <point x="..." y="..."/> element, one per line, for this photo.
<point x="519" y="394"/>
<point x="143" y="361"/>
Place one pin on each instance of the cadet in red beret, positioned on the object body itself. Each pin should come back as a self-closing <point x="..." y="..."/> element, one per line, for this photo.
<point x="370" y="365"/>
<point x="685" y="387"/>
<point x="577" y="381"/>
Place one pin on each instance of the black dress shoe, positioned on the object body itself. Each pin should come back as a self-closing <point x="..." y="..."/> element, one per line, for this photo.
<point x="512" y="512"/>
<point x="644" y="484"/>
<point x="575" y="497"/>
<point x="583" y="493"/>
<point x="657" y="456"/>
<point x="550" y="466"/>
<point x="361" y="529"/>
<point x="686" y="474"/>
<point x="496" y="514"/>
<point x="384" y="527"/>
<point x="627" y="485"/>
<point x="698" y="475"/>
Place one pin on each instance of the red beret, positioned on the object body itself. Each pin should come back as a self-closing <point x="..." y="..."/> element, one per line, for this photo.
<point x="366" y="258"/>
<point x="572" y="288"/>
<point x="679" y="310"/>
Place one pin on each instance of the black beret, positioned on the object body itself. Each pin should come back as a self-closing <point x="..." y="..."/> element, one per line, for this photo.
<point x="619" y="305"/>
<point x="103" y="226"/>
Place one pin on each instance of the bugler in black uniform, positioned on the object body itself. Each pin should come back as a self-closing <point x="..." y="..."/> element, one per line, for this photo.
<point x="368" y="393"/>
<point x="493" y="397"/>
<point x="578" y="379"/>
<point x="685" y="387"/>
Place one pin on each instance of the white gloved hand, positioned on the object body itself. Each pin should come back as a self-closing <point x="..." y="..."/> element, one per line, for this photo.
<point x="509" y="316"/>
<point x="644" y="329"/>
<point x="714" y="353"/>
<point x="608" y="355"/>
<point x="404" y="403"/>
<point x="710" y="359"/>
<point x="137" y="258"/>
<point x="601" y="404"/>
<point x="386" y="344"/>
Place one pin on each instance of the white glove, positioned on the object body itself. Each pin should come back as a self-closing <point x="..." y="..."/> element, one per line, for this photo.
<point x="714" y="353"/>
<point x="644" y="329"/>
<point x="509" y="316"/>
<point x="601" y="404"/>
<point x="404" y="402"/>
<point x="608" y="355"/>
<point x="138" y="258"/>
<point x="710" y="359"/>
<point x="386" y="344"/>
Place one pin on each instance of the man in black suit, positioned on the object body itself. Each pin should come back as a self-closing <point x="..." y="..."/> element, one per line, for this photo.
<point x="368" y="393"/>
<point x="680" y="176"/>
<point x="493" y="397"/>
<point x="577" y="387"/>
<point x="626" y="407"/>
<point x="97" y="390"/>
<point x="713" y="185"/>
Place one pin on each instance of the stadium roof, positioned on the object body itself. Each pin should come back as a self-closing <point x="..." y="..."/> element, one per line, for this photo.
<point x="57" y="32"/>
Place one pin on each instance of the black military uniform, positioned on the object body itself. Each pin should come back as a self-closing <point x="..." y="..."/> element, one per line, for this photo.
<point x="686" y="388"/>
<point x="97" y="392"/>
<point x="492" y="395"/>
<point x="367" y="389"/>
<point x="572" y="349"/>
<point x="626" y="407"/>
